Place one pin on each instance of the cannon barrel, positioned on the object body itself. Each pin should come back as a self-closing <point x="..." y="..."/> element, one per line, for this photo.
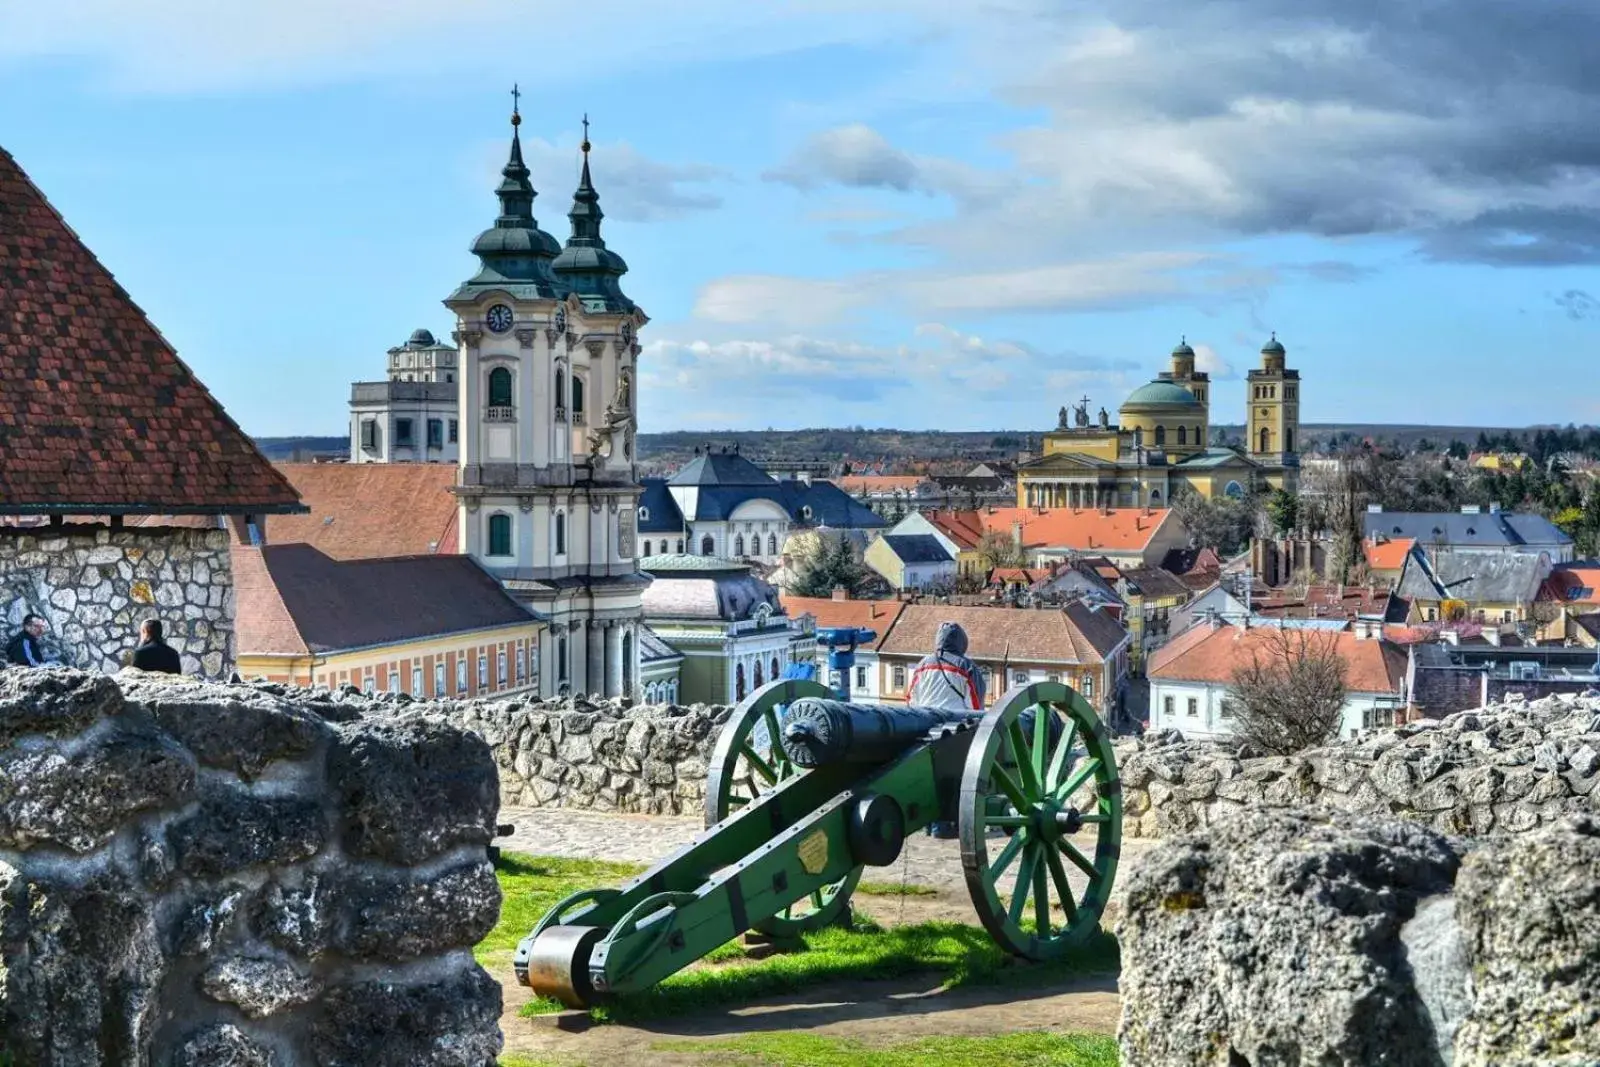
<point x="818" y="732"/>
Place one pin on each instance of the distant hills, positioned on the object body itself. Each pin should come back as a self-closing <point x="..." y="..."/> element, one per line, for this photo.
<point x="858" y="445"/>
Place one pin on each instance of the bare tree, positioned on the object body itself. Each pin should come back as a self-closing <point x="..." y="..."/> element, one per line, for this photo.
<point x="1290" y="696"/>
<point x="997" y="549"/>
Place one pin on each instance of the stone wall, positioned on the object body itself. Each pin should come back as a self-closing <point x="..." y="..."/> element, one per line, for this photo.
<point x="95" y="585"/>
<point x="194" y="875"/>
<point x="604" y="755"/>
<point x="1502" y="769"/>
<point x="1312" y="936"/>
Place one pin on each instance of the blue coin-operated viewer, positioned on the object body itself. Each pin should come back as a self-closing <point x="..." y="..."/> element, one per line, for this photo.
<point x="842" y="642"/>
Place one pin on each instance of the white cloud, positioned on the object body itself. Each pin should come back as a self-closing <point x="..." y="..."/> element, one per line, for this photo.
<point x="784" y="302"/>
<point x="1206" y="359"/>
<point x="632" y="186"/>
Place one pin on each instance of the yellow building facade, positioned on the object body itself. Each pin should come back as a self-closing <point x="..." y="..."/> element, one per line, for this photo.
<point x="1160" y="442"/>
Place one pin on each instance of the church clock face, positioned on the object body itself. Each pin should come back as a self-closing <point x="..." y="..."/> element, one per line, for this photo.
<point x="561" y="320"/>
<point x="499" y="318"/>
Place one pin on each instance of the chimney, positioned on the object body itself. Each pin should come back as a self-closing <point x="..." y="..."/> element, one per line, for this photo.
<point x="1016" y="531"/>
<point x="841" y="593"/>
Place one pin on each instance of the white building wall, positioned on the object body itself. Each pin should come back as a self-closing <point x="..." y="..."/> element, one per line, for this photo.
<point x="1208" y="723"/>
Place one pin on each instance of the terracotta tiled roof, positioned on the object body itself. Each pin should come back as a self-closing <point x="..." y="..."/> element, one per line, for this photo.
<point x="371" y="510"/>
<point x="1574" y="584"/>
<point x="1071" y="635"/>
<point x="97" y="412"/>
<point x="292" y="599"/>
<point x="1206" y="654"/>
<point x="1387" y="555"/>
<point x="877" y="615"/>
<point x="1014" y="575"/>
<point x="1321" y="602"/>
<point x="880" y="483"/>
<point x="1085" y="529"/>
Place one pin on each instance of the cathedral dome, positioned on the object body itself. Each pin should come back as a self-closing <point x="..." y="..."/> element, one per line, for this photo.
<point x="525" y="241"/>
<point x="1160" y="394"/>
<point x="1183" y="349"/>
<point x="421" y="339"/>
<point x="1273" y="347"/>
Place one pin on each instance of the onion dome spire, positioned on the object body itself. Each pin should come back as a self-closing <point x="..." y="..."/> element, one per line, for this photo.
<point x="586" y="266"/>
<point x="515" y="253"/>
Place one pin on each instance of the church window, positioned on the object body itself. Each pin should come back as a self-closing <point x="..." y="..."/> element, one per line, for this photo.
<point x="561" y="533"/>
<point x="369" y="434"/>
<point x="775" y="669"/>
<point x="577" y="399"/>
<point x="647" y="546"/>
<point x="435" y="433"/>
<point x="1288" y="440"/>
<point x="1155" y="498"/>
<point x="499" y="535"/>
<point x="449" y="379"/>
<point x="1161" y="436"/>
<point x="455" y="430"/>
<point x="1183" y="435"/>
<point x="561" y="658"/>
<point x="738" y="681"/>
<point x="1266" y="438"/>
<point x="680" y="546"/>
<point x="708" y="546"/>
<point x="1138" y="437"/>
<point x="738" y="549"/>
<point x="500" y="388"/>
<point x="1233" y="490"/>
<point x="561" y="388"/>
<point x="759" y="680"/>
<point x="402" y="432"/>
<point x="772" y="544"/>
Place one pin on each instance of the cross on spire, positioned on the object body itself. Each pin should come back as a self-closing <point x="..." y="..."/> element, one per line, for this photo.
<point x="585" y="144"/>
<point x="516" y="105"/>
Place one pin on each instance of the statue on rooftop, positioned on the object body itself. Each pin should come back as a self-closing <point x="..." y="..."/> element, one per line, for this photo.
<point x="1062" y="423"/>
<point x="1105" y="420"/>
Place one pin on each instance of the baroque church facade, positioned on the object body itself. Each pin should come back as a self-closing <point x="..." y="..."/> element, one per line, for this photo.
<point x="546" y="486"/>
<point x="1160" y="443"/>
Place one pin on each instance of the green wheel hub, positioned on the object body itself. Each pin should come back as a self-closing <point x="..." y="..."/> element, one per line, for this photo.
<point x="1040" y="820"/>
<point x="748" y="761"/>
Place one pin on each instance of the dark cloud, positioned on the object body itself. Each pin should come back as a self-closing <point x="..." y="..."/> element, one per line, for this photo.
<point x="1578" y="305"/>
<point x="855" y="156"/>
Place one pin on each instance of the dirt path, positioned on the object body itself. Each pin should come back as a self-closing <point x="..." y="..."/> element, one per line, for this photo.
<point x="886" y="1011"/>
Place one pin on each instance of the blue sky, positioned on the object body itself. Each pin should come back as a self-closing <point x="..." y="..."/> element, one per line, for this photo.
<point x="883" y="212"/>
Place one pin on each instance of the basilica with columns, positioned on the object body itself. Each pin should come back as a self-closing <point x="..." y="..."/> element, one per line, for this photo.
<point x="1160" y="442"/>
<point x="546" y="488"/>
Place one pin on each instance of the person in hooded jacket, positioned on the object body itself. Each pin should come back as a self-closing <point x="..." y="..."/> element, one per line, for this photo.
<point x="946" y="678"/>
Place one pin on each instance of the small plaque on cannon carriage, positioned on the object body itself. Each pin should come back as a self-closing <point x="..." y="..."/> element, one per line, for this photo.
<point x="814" y="852"/>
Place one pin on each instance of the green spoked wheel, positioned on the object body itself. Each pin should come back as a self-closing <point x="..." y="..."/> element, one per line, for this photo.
<point x="747" y="762"/>
<point x="1040" y="820"/>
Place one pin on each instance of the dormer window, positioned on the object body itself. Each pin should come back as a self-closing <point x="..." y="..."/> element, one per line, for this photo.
<point x="644" y="513"/>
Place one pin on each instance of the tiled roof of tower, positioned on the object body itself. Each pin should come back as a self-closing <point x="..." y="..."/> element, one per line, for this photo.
<point x="97" y="413"/>
<point x="371" y="510"/>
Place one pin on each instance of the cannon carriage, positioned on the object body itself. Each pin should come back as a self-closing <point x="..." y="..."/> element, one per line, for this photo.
<point x="804" y="791"/>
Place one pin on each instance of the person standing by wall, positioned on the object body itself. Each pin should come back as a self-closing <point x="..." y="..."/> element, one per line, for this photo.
<point x="24" y="649"/>
<point x="153" y="653"/>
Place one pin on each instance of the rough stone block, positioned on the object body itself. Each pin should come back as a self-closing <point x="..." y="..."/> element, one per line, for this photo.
<point x="233" y="831"/>
<point x="53" y="702"/>
<point x="77" y="799"/>
<point x="412" y="789"/>
<point x="259" y="986"/>
<point x="223" y="1045"/>
<point x="453" y="1022"/>
<point x="232" y="728"/>
<point x="400" y="917"/>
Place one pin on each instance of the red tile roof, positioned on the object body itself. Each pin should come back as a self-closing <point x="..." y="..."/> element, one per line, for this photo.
<point x="293" y="600"/>
<point x="1387" y="555"/>
<point x="1074" y="635"/>
<point x="876" y="615"/>
<point x="1206" y="654"/>
<point x="1084" y="529"/>
<point x="1576" y="584"/>
<point x="97" y="412"/>
<point x="371" y="510"/>
<point x="880" y="483"/>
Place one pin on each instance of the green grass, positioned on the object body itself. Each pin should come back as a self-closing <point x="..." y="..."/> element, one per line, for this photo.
<point x="895" y="889"/>
<point x="958" y="955"/>
<point x="532" y="885"/>
<point x="810" y="1050"/>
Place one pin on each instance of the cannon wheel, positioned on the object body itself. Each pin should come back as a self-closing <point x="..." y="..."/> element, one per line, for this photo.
<point x="1043" y="787"/>
<point x="748" y="762"/>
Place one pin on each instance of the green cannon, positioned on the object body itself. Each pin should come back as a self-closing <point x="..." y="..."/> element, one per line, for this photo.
<point x="792" y="820"/>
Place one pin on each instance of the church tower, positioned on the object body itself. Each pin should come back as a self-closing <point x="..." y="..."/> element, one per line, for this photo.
<point x="1197" y="382"/>
<point x="1274" y="423"/>
<point x="547" y="485"/>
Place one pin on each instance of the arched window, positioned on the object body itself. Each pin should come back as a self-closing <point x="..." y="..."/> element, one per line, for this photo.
<point x="1183" y="435"/>
<point x="738" y="681"/>
<point x="777" y="670"/>
<point x="1155" y="498"/>
<point x="680" y="546"/>
<point x="500" y="388"/>
<point x="647" y="547"/>
<point x="1266" y="438"/>
<point x="759" y="682"/>
<point x="738" y="546"/>
<point x="561" y="658"/>
<point x="1288" y="440"/>
<point x="1138" y="437"/>
<point x="1234" y="490"/>
<point x="577" y="399"/>
<point x="708" y="546"/>
<point x="772" y="544"/>
<point x="561" y="533"/>
<point x="627" y="662"/>
<point x="1161" y="436"/>
<point x="561" y="388"/>
<point x="499" y="535"/>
